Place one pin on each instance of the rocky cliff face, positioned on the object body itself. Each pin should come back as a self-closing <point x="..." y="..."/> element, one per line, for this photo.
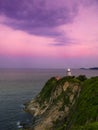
<point x="52" y="106"/>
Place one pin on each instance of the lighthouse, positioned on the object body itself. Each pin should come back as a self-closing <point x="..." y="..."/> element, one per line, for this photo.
<point x="69" y="72"/>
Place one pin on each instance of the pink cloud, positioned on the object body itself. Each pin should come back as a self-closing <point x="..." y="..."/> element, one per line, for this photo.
<point x="15" y="42"/>
<point x="83" y="33"/>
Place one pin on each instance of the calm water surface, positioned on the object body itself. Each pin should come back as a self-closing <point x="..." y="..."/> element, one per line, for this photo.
<point x="17" y="86"/>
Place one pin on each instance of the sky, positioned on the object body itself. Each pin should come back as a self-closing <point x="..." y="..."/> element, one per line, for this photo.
<point x="48" y="33"/>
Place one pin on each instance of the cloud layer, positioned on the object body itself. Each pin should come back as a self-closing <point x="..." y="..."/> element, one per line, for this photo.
<point x="44" y="29"/>
<point x="39" y="12"/>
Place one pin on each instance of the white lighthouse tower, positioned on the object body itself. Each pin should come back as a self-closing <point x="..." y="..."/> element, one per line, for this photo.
<point x="69" y="72"/>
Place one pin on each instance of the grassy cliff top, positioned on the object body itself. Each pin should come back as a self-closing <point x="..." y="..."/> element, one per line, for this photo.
<point x="84" y="113"/>
<point x="52" y="84"/>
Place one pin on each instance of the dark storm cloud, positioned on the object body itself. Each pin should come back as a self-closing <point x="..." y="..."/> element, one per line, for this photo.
<point x="30" y="15"/>
<point x="41" y="17"/>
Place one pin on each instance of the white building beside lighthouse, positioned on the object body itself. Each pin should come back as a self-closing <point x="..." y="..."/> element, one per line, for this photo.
<point x="69" y="72"/>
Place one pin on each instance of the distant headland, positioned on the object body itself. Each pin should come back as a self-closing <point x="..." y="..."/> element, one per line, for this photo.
<point x="92" y="68"/>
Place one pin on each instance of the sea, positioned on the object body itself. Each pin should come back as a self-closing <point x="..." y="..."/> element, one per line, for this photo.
<point x="18" y="86"/>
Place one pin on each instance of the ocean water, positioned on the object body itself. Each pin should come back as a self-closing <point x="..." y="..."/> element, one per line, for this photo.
<point x="18" y="86"/>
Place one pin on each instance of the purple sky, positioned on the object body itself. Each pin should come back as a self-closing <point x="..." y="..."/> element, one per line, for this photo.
<point x="48" y="34"/>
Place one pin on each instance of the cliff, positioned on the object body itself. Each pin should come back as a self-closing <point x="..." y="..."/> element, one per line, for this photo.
<point x="66" y="104"/>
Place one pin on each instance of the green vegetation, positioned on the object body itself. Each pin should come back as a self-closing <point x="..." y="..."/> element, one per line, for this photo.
<point x="90" y="126"/>
<point x="82" y="77"/>
<point x="45" y="94"/>
<point x="84" y="114"/>
<point x="70" y="79"/>
<point x="51" y="86"/>
<point x="59" y="125"/>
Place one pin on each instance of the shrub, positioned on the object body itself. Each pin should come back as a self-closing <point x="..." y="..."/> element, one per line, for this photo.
<point x="82" y="77"/>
